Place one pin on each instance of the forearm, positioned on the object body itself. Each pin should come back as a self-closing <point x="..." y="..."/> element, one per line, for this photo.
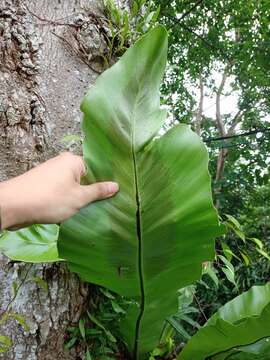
<point x="49" y="193"/>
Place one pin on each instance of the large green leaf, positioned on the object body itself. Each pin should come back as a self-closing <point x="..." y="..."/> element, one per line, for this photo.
<point x="152" y="237"/>
<point x="260" y="350"/>
<point x="242" y="321"/>
<point x="37" y="243"/>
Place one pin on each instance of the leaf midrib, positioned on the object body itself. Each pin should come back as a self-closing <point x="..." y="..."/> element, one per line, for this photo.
<point x="139" y="233"/>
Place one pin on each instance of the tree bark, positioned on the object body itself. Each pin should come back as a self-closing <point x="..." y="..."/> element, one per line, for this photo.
<point x="220" y="123"/>
<point x="223" y="132"/>
<point x="42" y="84"/>
<point x="199" y="115"/>
<point x="221" y="127"/>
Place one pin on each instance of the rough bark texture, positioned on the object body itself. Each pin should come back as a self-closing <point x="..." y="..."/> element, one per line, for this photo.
<point x="47" y="50"/>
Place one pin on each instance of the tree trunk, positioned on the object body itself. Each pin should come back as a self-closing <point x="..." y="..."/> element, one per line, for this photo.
<point x="45" y="47"/>
<point x="222" y="132"/>
<point x="199" y="114"/>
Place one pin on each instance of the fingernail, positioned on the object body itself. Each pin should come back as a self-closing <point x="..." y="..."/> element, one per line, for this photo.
<point x="113" y="187"/>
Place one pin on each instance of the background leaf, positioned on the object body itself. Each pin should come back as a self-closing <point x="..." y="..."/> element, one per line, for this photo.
<point x="37" y="243"/>
<point x="242" y="321"/>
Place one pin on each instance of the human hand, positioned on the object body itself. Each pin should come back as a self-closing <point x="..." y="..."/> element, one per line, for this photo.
<point x="49" y="193"/>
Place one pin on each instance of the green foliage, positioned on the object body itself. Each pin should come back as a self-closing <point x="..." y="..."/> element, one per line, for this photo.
<point x="19" y="318"/>
<point x="242" y="321"/>
<point x="41" y="283"/>
<point x="5" y="341"/>
<point x="127" y="26"/>
<point x="98" y="329"/>
<point x="37" y="243"/>
<point x="165" y="347"/>
<point x="7" y="314"/>
<point x="208" y="269"/>
<point x="204" y="39"/>
<point x="259" y="350"/>
<point x="228" y="269"/>
<point x="245" y="267"/>
<point x="72" y="143"/>
<point x="182" y="318"/>
<point x="212" y="34"/>
<point x="202" y="43"/>
<point x="249" y="242"/>
<point x="71" y="138"/>
<point x="127" y="243"/>
<point x="239" y="275"/>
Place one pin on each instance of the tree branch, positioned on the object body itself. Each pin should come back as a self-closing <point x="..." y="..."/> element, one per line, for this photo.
<point x="220" y="123"/>
<point x="194" y="7"/>
<point x="223" y="152"/>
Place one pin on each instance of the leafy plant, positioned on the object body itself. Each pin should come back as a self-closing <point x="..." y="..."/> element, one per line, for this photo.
<point x="155" y="234"/>
<point x="158" y="230"/>
<point x="233" y="224"/>
<point x="98" y="328"/>
<point x="127" y="26"/>
<point x="241" y="322"/>
<point x="185" y="308"/>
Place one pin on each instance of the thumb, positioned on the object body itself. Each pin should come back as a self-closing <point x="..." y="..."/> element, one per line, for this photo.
<point x="98" y="191"/>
